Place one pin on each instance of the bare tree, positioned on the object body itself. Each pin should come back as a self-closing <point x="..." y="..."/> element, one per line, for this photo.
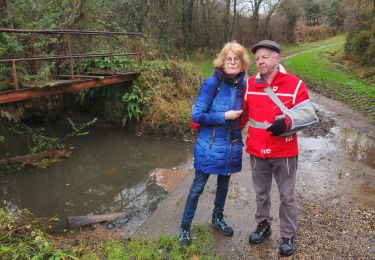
<point x="271" y="8"/>
<point x="187" y="24"/>
<point x="234" y="18"/>
<point x="259" y="9"/>
<point x="255" y="6"/>
<point x="205" y="14"/>
<point x="226" y="20"/>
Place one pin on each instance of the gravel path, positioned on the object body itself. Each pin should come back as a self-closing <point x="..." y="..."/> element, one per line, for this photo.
<point x="335" y="195"/>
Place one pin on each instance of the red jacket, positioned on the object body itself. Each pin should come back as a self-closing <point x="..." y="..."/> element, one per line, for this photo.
<point x="257" y="105"/>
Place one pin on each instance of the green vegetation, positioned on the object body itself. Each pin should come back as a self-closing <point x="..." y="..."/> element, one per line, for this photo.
<point x="23" y="237"/>
<point x="38" y="141"/>
<point x="361" y="48"/>
<point x="204" y="66"/>
<point x="318" y="70"/>
<point x="293" y="47"/>
<point x="323" y="71"/>
<point x="169" y="89"/>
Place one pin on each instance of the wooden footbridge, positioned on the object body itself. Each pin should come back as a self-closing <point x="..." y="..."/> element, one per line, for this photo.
<point x="64" y="53"/>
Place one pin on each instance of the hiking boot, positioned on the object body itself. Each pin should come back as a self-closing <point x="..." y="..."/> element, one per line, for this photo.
<point x="219" y="223"/>
<point x="184" y="237"/>
<point x="287" y="246"/>
<point x="263" y="231"/>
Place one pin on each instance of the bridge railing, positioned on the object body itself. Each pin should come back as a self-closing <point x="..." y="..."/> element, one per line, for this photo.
<point x="69" y="54"/>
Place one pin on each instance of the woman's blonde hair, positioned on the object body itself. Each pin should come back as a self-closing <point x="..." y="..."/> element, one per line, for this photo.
<point x="237" y="49"/>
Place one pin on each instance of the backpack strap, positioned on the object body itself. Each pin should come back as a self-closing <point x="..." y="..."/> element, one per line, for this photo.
<point x="217" y="89"/>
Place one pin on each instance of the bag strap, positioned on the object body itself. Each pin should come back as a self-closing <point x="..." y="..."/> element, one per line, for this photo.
<point x="275" y="99"/>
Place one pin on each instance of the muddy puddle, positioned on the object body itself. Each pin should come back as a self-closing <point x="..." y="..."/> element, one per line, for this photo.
<point x="337" y="160"/>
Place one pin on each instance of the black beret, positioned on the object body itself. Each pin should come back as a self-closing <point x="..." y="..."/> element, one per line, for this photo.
<point x="266" y="44"/>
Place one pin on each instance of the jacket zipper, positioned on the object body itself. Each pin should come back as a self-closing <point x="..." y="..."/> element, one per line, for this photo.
<point x="231" y="142"/>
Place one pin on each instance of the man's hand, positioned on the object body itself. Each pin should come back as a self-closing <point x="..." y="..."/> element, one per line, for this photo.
<point x="232" y="114"/>
<point x="279" y="127"/>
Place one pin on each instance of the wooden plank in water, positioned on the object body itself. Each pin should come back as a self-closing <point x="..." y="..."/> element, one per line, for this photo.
<point x="78" y="221"/>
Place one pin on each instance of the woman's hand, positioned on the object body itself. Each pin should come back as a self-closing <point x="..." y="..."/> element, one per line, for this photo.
<point x="232" y="114"/>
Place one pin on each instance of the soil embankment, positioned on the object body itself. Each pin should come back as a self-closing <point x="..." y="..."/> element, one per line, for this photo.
<point x="335" y="195"/>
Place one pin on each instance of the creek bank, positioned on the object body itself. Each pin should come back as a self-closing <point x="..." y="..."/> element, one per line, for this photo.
<point x="336" y="216"/>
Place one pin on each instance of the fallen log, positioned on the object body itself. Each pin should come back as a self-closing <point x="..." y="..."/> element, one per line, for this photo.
<point x="35" y="158"/>
<point x="78" y="221"/>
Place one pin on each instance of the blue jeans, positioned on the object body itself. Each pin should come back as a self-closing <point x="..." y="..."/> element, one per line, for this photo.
<point x="196" y="190"/>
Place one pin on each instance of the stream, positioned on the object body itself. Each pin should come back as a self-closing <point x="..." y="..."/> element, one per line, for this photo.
<point x="110" y="170"/>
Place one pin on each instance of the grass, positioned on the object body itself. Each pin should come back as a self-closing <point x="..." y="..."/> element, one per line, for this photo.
<point x="205" y="66"/>
<point x="22" y="237"/>
<point x="287" y="48"/>
<point x="319" y="69"/>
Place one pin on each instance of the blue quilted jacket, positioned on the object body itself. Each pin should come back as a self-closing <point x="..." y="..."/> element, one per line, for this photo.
<point x="218" y="147"/>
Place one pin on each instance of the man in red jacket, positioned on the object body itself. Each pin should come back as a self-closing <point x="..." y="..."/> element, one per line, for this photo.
<point x="272" y="141"/>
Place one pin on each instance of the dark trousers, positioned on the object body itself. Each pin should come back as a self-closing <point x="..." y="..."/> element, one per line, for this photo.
<point x="196" y="190"/>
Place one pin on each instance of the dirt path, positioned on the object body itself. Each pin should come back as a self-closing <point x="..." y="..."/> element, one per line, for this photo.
<point x="335" y="194"/>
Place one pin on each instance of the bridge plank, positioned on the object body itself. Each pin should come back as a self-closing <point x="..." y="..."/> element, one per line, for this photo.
<point x="28" y="93"/>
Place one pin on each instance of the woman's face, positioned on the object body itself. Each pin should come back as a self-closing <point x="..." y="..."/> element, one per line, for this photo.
<point x="232" y="64"/>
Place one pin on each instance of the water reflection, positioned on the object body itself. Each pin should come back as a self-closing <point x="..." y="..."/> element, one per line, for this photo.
<point x="360" y="146"/>
<point x="108" y="171"/>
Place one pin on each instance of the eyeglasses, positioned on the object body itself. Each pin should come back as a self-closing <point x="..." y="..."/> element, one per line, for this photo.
<point x="232" y="59"/>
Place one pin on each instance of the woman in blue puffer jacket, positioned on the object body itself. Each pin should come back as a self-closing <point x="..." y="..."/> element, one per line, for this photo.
<point x="218" y="147"/>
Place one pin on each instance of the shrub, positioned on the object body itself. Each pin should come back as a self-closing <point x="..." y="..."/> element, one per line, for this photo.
<point x="313" y="33"/>
<point x="172" y="89"/>
<point x="357" y="45"/>
<point x="369" y="54"/>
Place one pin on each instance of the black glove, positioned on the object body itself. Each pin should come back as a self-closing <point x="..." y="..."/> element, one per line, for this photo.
<point x="278" y="127"/>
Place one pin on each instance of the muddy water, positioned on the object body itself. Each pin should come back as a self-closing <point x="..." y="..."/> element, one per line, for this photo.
<point x="109" y="171"/>
<point x="360" y="146"/>
<point x="336" y="160"/>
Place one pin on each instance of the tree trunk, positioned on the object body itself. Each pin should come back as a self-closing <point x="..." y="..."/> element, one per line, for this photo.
<point x="36" y="158"/>
<point x="35" y="11"/>
<point x="234" y="18"/>
<point x="226" y="21"/>
<point x="255" y="18"/>
<point x="163" y="37"/>
<point x="268" y="18"/>
<point x="3" y="8"/>
<point x="144" y="10"/>
<point x="75" y="15"/>
<point x="187" y="25"/>
<point x="205" y="24"/>
<point x="3" y="13"/>
<point x="373" y="22"/>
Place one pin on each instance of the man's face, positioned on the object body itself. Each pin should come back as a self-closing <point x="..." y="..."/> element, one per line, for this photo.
<point x="266" y="61"/>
